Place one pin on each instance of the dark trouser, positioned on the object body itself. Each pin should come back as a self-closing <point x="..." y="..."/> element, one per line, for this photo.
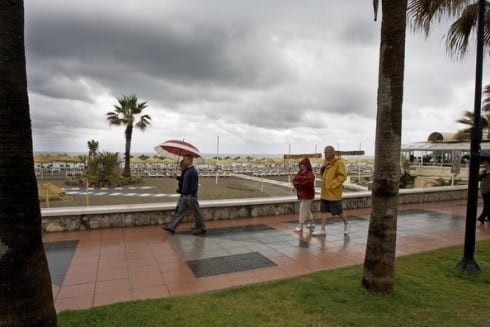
<point x="178" y="204"/>
<point x="188" y="203"/>
<point x="486" y="206"/>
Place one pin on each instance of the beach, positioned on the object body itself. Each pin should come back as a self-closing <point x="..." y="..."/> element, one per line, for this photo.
<point x="163" y="189"/>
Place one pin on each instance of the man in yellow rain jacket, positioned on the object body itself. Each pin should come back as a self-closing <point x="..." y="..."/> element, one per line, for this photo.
<point x="333" y="177"/>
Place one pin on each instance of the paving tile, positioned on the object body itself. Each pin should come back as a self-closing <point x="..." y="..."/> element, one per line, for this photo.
<point x="185" y="287"/>
<point x="112" y="274"/>
<point x="244" y="278"/>
<point x="76" y="290"/>
<point x="76" y="277"/>
<point x="113" y="285"/>
<point x="178" y="266"/>
<point x="74" y="303"/>
<point x="154" y="292"/>
<point x="59" y="255"/>
<point x="146" y="280"/>
<point x="172" y="277"/>
<point x="111" y="297"/>
<point x="216" y="282"/>
<point x="111" y="266"/>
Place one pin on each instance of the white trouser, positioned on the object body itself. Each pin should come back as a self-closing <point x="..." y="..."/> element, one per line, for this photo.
<point x="305" y="211"/>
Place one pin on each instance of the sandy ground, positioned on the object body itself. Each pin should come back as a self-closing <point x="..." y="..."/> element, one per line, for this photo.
<point x="226" y="188"/>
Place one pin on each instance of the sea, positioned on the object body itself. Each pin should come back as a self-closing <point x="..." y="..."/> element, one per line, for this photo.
<point x="205" y="155"/>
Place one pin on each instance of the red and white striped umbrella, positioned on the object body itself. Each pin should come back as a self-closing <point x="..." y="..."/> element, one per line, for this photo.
<point x="177" y="149"/>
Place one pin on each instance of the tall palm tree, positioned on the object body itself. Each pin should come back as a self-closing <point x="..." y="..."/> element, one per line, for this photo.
<point x="125" y="114"/>
<point x="26" y="297"/>
<point x="423" y="13"/>
<point x="379" y="262"/>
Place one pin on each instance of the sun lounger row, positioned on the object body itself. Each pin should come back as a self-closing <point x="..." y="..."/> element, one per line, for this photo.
<point x="213" y="174"/>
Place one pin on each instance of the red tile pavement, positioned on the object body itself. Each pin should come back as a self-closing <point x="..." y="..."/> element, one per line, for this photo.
<point x="117" y="265"/>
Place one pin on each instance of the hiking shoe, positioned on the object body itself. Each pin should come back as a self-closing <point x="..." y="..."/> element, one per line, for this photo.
<point x="319" y="233"/>
<point x="346" y="228"/>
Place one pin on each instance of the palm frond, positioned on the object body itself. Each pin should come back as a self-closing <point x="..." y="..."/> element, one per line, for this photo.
<point x="375" y="7"/>
<point x="422" y="13"/>
<point x="144" y="122"/>
<point x="113" y="118"/>
<point x="486" y="89"/>
<point x="465" y="121"/>
<point x="459" y="33"/>
<point x="486" y="100"/>
<point x="469" y="119"/>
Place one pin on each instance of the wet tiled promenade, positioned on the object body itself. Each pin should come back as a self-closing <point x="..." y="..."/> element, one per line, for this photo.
<point x="98" y="267"/>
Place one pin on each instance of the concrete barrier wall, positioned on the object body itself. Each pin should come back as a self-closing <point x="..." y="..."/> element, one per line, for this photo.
<point x="95" y="217"/>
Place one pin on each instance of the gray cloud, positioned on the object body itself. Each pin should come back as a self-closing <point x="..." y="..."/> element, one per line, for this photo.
<point x="263" y="73"/>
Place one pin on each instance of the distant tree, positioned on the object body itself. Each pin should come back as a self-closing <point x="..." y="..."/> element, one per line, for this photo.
<point x="93" y="147"/>
<point x="379" y="262"/>
<point x="423" y="13"/>
<point x="469" y="117"/>
<point x="125" y="114"/>
<point x="103" y="169"/>
<point x="26" y="295"/>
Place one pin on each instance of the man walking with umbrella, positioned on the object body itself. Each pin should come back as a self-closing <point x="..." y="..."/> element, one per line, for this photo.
<point x="188" y="201"/>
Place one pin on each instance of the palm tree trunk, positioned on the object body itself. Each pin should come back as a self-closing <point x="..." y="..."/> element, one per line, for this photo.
<point x="26" y="297"/>
<point x="127" y="152"/>
<point x="379" y="264"/>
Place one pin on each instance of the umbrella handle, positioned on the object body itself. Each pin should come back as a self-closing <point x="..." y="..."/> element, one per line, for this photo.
<point x="177" y="166"/>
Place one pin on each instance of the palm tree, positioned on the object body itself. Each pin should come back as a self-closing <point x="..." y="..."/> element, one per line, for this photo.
<point x="26" y="297"/>
<point x="422" y="13"/>
<point x="469" y="117"/>
<point x="93" y="147"/>
<point x="486" y="100"/>
<point x="125" y="115"/>
<point x="379" y="262"/>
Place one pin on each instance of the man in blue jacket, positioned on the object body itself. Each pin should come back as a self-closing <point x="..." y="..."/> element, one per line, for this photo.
<point x="188" y="201"/>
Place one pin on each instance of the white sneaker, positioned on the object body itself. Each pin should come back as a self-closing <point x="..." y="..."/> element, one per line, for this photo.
<point x="298" y="230"/>
<point x="319" y="233"/>
<point x="310" y="226"/>
<point x="346" y="228"/>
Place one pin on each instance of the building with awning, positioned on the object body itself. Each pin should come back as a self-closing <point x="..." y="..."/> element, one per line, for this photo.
<point x="443" y="155"/>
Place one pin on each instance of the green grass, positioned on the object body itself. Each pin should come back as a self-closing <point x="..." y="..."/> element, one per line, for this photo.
<point x="429" y="291"/>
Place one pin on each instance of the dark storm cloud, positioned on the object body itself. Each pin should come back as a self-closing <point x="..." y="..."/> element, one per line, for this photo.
<point x="262" y="70"/>
<point x="117" y="52"/>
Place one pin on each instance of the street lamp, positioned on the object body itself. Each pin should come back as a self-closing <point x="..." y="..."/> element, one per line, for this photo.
<point x="468" y="263"/>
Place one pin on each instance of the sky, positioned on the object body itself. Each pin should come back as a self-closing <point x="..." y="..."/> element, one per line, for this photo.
<point x="229" y="76"/>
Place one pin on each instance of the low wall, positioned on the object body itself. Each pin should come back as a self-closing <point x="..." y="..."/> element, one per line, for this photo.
<point x="95" y="217"/>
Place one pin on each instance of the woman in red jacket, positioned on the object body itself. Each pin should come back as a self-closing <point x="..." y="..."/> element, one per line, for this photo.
<point x="304" y="183"/>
